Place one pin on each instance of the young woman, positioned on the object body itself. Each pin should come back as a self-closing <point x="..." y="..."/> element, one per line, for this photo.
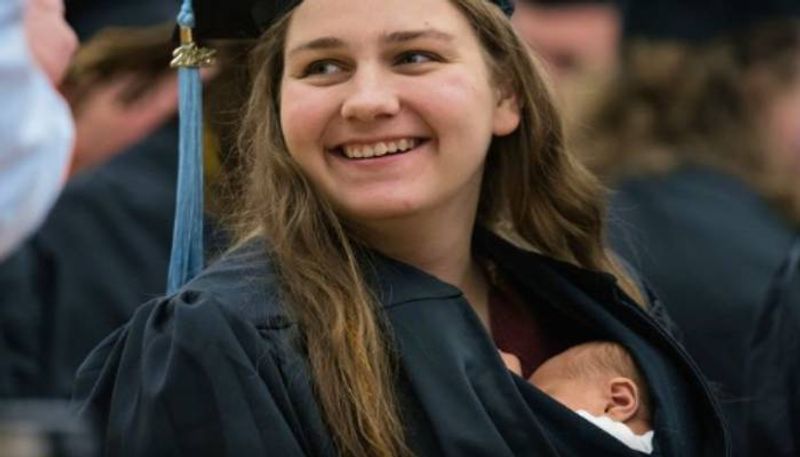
<point x="395" y="146"/>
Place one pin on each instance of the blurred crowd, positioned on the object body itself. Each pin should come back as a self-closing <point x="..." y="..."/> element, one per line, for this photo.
<point x="688" y="110"/>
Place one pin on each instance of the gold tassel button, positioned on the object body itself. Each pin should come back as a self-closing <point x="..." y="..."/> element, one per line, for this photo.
<point x="189" y="55"/>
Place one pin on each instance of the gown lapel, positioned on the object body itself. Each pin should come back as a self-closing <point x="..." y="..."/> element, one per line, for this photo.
<point x="466" y="403"/>
<point x="594" y="299"/>
<point x="466" y="400"/>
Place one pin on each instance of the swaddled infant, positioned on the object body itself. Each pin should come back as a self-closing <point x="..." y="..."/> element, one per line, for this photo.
<point x="600" y="382"/>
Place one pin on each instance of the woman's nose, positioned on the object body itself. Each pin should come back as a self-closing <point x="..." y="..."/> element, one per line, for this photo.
<point x="371" y="97"/>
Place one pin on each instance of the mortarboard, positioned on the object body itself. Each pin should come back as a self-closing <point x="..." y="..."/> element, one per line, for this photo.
<point x="210" y="19"/>
<point x="248" y="18"/>
<point x="700" y="20"/>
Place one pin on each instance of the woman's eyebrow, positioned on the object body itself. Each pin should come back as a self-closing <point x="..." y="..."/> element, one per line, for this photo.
<point x="409" y="35"/>
<point x="319" y="44"/>
<point x="327" y="43"/>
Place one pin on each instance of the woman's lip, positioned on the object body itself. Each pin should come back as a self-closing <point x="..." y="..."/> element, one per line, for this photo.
<point x="340" y="153"/>
<point x="363" y="142"/>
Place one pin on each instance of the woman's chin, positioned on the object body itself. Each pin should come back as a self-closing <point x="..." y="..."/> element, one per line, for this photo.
<point x="377" y="212"/>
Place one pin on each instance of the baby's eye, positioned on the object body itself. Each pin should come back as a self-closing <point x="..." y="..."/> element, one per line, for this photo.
<point x="322" y="68"/>
<point x="415" y="57"/>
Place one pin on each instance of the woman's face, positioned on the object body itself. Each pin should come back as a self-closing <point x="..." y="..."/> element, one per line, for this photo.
<point x="388" y="106"/>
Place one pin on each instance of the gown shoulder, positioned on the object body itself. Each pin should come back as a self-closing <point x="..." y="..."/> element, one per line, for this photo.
<point x="212" y="368"/>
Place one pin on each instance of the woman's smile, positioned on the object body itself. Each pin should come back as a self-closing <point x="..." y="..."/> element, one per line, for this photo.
<point x="376" y="149"/>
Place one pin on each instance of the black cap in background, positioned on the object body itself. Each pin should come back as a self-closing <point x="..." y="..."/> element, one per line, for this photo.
<point x="243" y="19"/>
<point x="237" y="19"/>
<point x="88" y="17"/>
<point x="700" y="20"/>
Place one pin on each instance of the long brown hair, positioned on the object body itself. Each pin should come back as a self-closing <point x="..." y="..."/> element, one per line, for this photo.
<point x="675" y="104"/>
<point x="533" y="188"/>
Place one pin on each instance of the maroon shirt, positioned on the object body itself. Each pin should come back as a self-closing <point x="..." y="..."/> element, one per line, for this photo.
<point x="533" y="334"/>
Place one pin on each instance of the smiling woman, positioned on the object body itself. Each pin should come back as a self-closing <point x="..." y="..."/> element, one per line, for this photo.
<point x="393" y="146"/>
<point x="372" y="87"/>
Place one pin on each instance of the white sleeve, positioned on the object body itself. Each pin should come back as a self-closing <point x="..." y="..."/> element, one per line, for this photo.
<point x="36" y="134"/>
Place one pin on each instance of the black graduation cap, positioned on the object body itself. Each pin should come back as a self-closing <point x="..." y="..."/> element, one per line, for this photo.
<point x="210" y="19"/>
<point x="566" y="2"/>
<point x="248" y="18"/>
<point x="237" y="19"/>
<point x="700" y="20"/>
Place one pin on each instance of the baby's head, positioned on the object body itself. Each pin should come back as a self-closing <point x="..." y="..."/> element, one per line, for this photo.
<point x="600" y="378"/>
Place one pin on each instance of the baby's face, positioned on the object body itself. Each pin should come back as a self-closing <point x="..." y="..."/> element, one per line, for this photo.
<point x="576" y="394"/>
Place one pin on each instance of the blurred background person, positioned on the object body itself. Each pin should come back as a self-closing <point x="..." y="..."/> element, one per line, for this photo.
<point x="35" y="124"/>
<point x="578" y="41"/>
<point x="105" y="246"/>
<point x="120" y="86"/>
<point x="37" y="141"/>
<point x="774" y="415"/>
<point x="698" y="136"/>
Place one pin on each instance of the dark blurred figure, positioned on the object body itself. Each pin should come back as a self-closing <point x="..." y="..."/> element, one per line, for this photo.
<point x="699" y="137"/>
<point x="35" y="124"/>
<point x="773" y="419"/>
<point x="120" y="89"/>
<point x="105" y="246"/>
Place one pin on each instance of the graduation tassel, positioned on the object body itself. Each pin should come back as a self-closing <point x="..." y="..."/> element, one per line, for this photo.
<point x="186" y="259"/>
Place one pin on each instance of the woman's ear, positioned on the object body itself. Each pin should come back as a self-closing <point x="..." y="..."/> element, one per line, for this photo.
<point x="507" y="113"/>
<point x="623" y="399"/>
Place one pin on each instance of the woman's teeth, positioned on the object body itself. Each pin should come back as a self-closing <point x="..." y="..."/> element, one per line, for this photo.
<point x="366" y="151"/>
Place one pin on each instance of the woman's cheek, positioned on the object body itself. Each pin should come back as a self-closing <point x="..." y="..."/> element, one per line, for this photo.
<point x="303" y="116"/>
<point x="446" y="93"/>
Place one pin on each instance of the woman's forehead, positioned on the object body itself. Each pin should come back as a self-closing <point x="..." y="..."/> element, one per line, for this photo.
<point x="358" y="20"/>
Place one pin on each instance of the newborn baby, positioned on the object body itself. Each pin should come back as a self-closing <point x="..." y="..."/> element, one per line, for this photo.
<point x="600" y="382"/>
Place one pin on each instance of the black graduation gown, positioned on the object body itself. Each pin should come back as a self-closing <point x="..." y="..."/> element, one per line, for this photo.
<point x="215" y="369"/>
<point x="773" y="420"/>
<point x="708" y="246"/>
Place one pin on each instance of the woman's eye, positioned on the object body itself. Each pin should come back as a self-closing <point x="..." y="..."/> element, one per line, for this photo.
<point x="322" y="68"/>
<point x="415" y="57"/>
